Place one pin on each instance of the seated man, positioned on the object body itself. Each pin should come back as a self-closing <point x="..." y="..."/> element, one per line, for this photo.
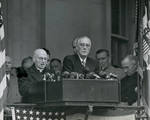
<point x="128" y="94"/>
<point x="105" y="67"/>
<point x="129" y="83"/>
<point x="55" y="65"/>
<point x="26" y="63"/>
<point x="27" y="85"/>
<point x="80" y="62"/>
<point x="13" y="95"/>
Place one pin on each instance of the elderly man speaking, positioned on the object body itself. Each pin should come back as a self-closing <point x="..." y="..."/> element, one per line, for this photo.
<point x="80" y="60"/>
<point x="34" y="74"/>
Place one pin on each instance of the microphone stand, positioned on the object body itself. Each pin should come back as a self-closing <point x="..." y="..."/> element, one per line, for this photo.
<point x="85" y="71"/>
<point x="45" y="87"/>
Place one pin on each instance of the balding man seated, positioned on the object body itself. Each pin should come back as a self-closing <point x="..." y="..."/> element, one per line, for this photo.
<point x="129" y="83"/>
<point x="13" y="95"/>
<point x="34" y="74"/>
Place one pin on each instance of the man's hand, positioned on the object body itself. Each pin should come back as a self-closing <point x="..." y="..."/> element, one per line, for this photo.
<point x="65" y="74"/>
<point x="92" y="75"/>
<point x="102" y="74"/>
<point x="74" y="75"/>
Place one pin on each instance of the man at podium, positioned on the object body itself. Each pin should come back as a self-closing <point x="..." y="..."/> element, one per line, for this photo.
<point x="80" y="62"/>
<point x="36" y="73"/>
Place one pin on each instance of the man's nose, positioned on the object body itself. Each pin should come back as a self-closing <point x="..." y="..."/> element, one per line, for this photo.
<point x="125" y="70"/>
<point x="84" y="47"/>
<point x="100" y="61"/>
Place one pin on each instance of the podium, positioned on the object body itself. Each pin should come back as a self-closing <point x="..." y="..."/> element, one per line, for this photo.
<point x="61" y="100"/>
<point x="81" y="92"/>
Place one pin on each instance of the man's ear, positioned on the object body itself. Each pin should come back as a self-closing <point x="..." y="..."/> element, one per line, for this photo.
<point x="109" y="59"/>
<point x="34" y="57"/>
<point x="95" y="56"/>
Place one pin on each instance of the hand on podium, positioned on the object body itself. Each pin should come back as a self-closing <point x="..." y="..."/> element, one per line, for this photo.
<point x="49" y="77"/>
<point x="74" y="75"/>
<point x="92" y="75"/>
<point x="65" y="74"/>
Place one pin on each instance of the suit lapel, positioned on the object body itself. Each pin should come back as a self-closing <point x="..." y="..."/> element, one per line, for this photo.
<point x="36" y="74"/>
<point x="78" y="64"/>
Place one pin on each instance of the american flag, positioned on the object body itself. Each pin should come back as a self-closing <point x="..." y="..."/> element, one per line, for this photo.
<point x="34" y="113"/>
<point x="145" y="38"/>
<point x="3" y="83"/>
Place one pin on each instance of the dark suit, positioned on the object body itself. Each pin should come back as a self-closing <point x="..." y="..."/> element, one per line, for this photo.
<point x="13" y="95"/>
<point x="128" y="85"/>
<point x="28" y="84"/>
<point x="72" y="63"/>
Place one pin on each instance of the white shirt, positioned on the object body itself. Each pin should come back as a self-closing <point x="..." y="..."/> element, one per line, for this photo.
<point x="83" y="61"/>
<point x="8" y="76"/>
<point x="39" y="69"/>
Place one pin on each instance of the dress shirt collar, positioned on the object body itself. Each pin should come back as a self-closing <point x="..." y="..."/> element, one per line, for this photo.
<point x="8" y="76"/>
<point x="82" y="60"/>
<point x="40" y="70"/>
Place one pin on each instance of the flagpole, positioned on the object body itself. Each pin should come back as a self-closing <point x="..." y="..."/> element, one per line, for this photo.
<point x="139" y="54"/>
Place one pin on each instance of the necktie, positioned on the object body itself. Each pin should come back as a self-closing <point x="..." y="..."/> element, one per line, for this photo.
<point x="83" y="63"/>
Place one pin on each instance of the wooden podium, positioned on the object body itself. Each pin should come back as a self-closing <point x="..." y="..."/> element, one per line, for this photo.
<point x="80" y="92"/>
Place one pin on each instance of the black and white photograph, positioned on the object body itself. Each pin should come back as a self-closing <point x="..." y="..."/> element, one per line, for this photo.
<point x="74" y="59"/>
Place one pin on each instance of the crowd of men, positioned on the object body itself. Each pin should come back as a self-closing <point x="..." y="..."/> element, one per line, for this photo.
<point x="33" y="69"/>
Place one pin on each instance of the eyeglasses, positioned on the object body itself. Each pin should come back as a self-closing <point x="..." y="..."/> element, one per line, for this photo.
<point x="84" y="45"/>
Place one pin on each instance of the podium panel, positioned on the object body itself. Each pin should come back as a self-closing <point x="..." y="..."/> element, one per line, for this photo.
<point x="89" y="90"/>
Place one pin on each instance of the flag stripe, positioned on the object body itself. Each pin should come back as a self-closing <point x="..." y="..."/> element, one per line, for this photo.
<point x="2" y="32"/>
<point x="146" y="47"/>
<point x="1" y="115"/>
<point x="3" y="97"/>
<point x="3" y="85"/>
<point x="2" y="73"/>
<point x="3" y="82"/>
<point x="2" y="44"/>
<point x="146" y="51"/>
<point x="2" y="60"/>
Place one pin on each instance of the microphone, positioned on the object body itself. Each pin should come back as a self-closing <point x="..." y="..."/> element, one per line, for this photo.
<point x="58" y="75"/>
<point x="92" y="75"/>
<point x="65" y="74"/>
<point x="49" y="77"/>
<point x="74" y="75"/>
<point x="86" y="70"/>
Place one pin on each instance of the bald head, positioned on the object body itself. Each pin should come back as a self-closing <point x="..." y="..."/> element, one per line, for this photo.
<point x="40" y="58"/>
<point x="129" y="64"/>
<point x="83" y="46"/>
